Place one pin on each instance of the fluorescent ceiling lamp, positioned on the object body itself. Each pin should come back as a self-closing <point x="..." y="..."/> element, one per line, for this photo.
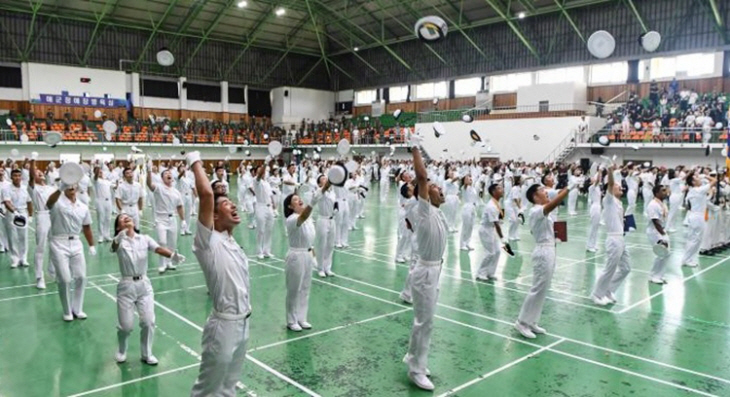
<point x="242" y="4"/>
<point x="521" y="15"/>
<point x="280" y="11"/>
<point x="357" y="49"/>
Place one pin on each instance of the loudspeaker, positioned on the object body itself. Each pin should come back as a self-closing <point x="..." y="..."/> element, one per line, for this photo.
<point x="185" y="85"/>
<point x="633" y="75"/>
<point x="597" y="150"/>
<point x="585" y="164"/>
<point x="286" y="93"/>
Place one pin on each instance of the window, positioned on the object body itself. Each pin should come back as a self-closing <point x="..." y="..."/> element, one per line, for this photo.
<point x="467" y="87"/>
<point x="398" y="94"/>
<point x="690" y="65"/>
<point x="561" y="75"/>
<point x="365" y="97"/>
<point x="510" y="82"/>
<point x="616" y="72"/>
<point x="432" y="90"/>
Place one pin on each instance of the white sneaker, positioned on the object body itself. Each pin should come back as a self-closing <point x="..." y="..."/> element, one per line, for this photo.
<point x="14" y="265"/>
<point x="465" y="248"/>
<point x="400" y="259"/>
<point x="482" y="279"/>
<point x="268" y="255"/>
<point x="151" y="360"/>
<point x="80" y="315"/>
<point x="684" y="264"/>
<point x="405" y="298"/>
<point x="321" y="274"/>
<point x="101" y="240"/>
<point x="171" y="267"/>
<point x="611" y="297"/>
<point x="40" y="284"/>
<point x="294" y="327"/>
<point x="162" y="269"/>
<point x="536" y="329"/>
<point x="656" y="281"/>
<point x="600" y="301"/>
<point x="120" y="357"/>
<point x="261" y="256"/>
<point x="305" y="325"/>
<point x="330" y="274"/>
<point x="524" y="330"/>
<point x="68" y="317"/>
<point x="591" y="250"/>
<point x="421" y="381"/>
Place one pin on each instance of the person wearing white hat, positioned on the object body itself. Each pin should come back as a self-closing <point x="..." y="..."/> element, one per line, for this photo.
<point x="632" y="192"/>
<point x="648" y="180"/>
<point x="468" y="212"/>
<point x="186" y="186"/>
<point x="676" y="194"/>
<point x="594" y="201"/>
<point x="17" y="206"/>
<point x="103" y="200"/>
<point x="342" y="217"/>
<point x="51" y="174"/>
<point x="576" y="180"/>
<point x="134" y="288"/>
<point x="697" y="196"/>
<point x="490" y="234"/>
<point x="39" y="193"/>
<point x="4" y="184"/>
<point x="168" y="203"/>
<point x="656" y="233"/>
<point x="325" y="231"/>
<point x="384" y="168"/>
<point x="451" y="191"/>
<point x="299" y="259"/>
<point x="225" y="267"/>
<point x="69" y="217"/>
<point x="617" y="266"/>
<point x="543" y="258"/>
<point x="129" y="196"/>
<point x="431" y="234"/>
<point x="264" y="211"/>
<point x="353" y="196"/>
<point x="513" y="207"/>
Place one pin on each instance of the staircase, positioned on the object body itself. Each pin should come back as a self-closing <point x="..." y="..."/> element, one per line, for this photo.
<point x="563" y="150"/>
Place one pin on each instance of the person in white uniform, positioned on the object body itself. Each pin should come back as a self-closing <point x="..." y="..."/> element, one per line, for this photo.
<point x="325" y="201"/>
<point x="167" y="203"/>
<point x="431" y="233"/>
<point x="135" y="289"/>
<point x="39" y="193"/>
<point x="468" y="212"/>
<point x="69" y="217"/>
<point x="656" y="233"/>
<point x="451" y="206"/>
<point x="594" y="200"/>
<point x="18" y="206"/>
<point x="299" y="259"/>
<point x="129" y="196"/>
<point x="4" y="244"/>
<point x="186" y="186"/>
<point x="543" y="258"/>
<point x="225" y="267"/>
<point x="264" y="211"/>
<point x="575" y="180"/>
<point x="698" y="195"/>
<point x="513" y="205"/>
<point x="490" y="234"/>
<point x="617" y="266"/>
<point x="342" y="218"/>
<point x="676" y="194"/>
<point x="103" y="199"/>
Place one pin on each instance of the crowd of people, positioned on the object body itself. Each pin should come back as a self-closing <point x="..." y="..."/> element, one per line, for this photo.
<point x="435" y="199"/>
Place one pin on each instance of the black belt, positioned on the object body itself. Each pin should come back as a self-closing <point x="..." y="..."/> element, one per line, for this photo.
<point x="72" y="237"/>
<point x="137" y="278"/>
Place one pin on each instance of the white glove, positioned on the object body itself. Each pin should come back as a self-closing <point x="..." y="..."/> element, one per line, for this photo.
<point x="184" y="225"/>
<point x="149" y="165"/>
<point x="92" y="251"/>
<point x="34" y="155"/>
<point x="267" y="160"/>
<point x="415" y="141"/>
<point x="192" y="158"/>
<point x="177" y="258"/>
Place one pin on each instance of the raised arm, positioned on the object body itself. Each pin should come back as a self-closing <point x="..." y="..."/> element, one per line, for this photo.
<point x="549" y="207"/>
<point x="308" y="210"/>
<point x="421" y="174"/>
<point x="205" y="191"/>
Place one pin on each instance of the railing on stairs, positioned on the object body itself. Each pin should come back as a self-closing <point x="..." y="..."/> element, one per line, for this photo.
<point x="563" y="150"/>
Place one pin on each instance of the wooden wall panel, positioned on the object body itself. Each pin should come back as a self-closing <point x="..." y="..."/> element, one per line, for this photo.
<point x="407" y="107"/>
<point x="16" y="106"/>
<point x="362" y="110"/>
<point x="77" y="112"/>
<point x="508" y="100"/>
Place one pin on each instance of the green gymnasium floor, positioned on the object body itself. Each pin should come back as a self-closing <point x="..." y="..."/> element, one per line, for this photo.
<point x="670" y="341"/>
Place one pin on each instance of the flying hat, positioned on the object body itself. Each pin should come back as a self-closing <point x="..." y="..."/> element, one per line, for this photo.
<point x="275" y="148"/>
<point x="601" y="44"/>
<point x="352" y="166"/>
<point x="337" y="175"/>
<point x="52" y="138"/>
<point x="650" y="40"/>
<point x="474" y="136"/>
<point x="97" y="114"/>
<point x="397" y="113"/>
<point x="70" y="173"/>
<point x="438" y="129"/>
<point x="467" y="118"/>
<point x="164" y="57"/>
<point x="20" y="221"/>
<point x="660" y="250"/>
<point x="603" y="140"/>
<point x="431" y="28"/>
<point x="343" y="147"/>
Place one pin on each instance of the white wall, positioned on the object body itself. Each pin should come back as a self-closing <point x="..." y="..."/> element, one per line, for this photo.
<point x="52" y="79"/>
<point x="559" y="95"/>
<point x="11" y="94"/>
<point x="511" y="139"/>
<point x="159" y="103"/>
<point x="204" y="106"/>
<point x="687" y="156"/>
<point x="302" y="103"/>
<point x="345" y="96"/>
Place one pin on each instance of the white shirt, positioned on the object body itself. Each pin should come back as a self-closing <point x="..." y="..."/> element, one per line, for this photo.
<point x="594" y="195"/>
<point x="697" y="198"/>
<point x="301" y="236"/>
<point x="263" y="191"/>
<point x="102" y="190"/>
<point x="132" y="254"/>
<point x="613" y="214"/>
<point x="326" y="204"/>
<point x="18" y="196"/>
<point x="492" y="213"/>
<point x="656" y="210"/>
<point x="68" y="217"/>
<point x="129" y="193"/>
<point x="39" y="196"/>
<point x="431" y="232"/>
<point x="167" y="199"/>
<point x="470" y="195"/>
<point x="185" y="186"/>
<point x="225" y="267"/>
<point x="541" y="226"/>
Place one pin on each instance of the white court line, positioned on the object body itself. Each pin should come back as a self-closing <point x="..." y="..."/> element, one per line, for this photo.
<point x="204" y="285"/>
<point x="157" y="375"/>
<point x="502" y="368"/>
<point x="672" y="286"/>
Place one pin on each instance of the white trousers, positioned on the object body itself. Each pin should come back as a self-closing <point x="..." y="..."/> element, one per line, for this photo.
<point x="187" y="211"/>
<point x="450" y="209"/>
<point x="512" y="215"/>
<point x="592" y="241"/>
<point x="572" y="201"/>
<point x="4" y="245"/>
<point x="660" y="262"/>
<point x="265" y="226"/>
<point x="42" y="229"/>
<point x="425" y="290"/>
<point x="342" y="220"/>
<point x="490" y="242"/>
<point x="384" y="189"/>
<point x="631" y="195"/>
<point x="543" y="266"/>
<point x="325" y="243"/>
<point x="403" y="247"/>
<point x="675" y="203"/>
<point x="298" y="274"/>
<point x="647" y="195"/>
<point x="17" y="239"/>
<point x="224" y="350"/>
<point x="133" y="213"/>
<point x="352" y="212"/>
<point x="139" y="295"/>
<point x="695" y="233"/>
<point x="617" y="267"/>
<point x="468" y="213"/>
<point x="166" y="227"/>
<point x="67" y="256"/>
<point x="104" y="215"/>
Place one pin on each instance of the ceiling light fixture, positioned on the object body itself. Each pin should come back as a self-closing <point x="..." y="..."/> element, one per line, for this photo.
<point x="242" y="4"/>
<point x="357" y="49"/>
<point x="521" y="15"/>
<point x="280" y="11"/>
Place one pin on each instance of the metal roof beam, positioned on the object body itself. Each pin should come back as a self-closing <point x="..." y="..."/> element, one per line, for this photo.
<point x="250" y="39"/>
<point x="155" y="29"/>
<point x="319" y="39"/>
<point x="570" y="20"/>
<point x="637" y="15"/>
<point x="716" y="13"/>
<point x="92" y="39"/>
<point x="352" y="50"/>
<point x="467" y="37"/>
<point x="309" y="71"/>
<point x="212" y="26"/>
<point x="408" y="28"/>
<point x="189" y="18"/>
<point x="35" y="7"/>
<point x="496" y="7"/>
